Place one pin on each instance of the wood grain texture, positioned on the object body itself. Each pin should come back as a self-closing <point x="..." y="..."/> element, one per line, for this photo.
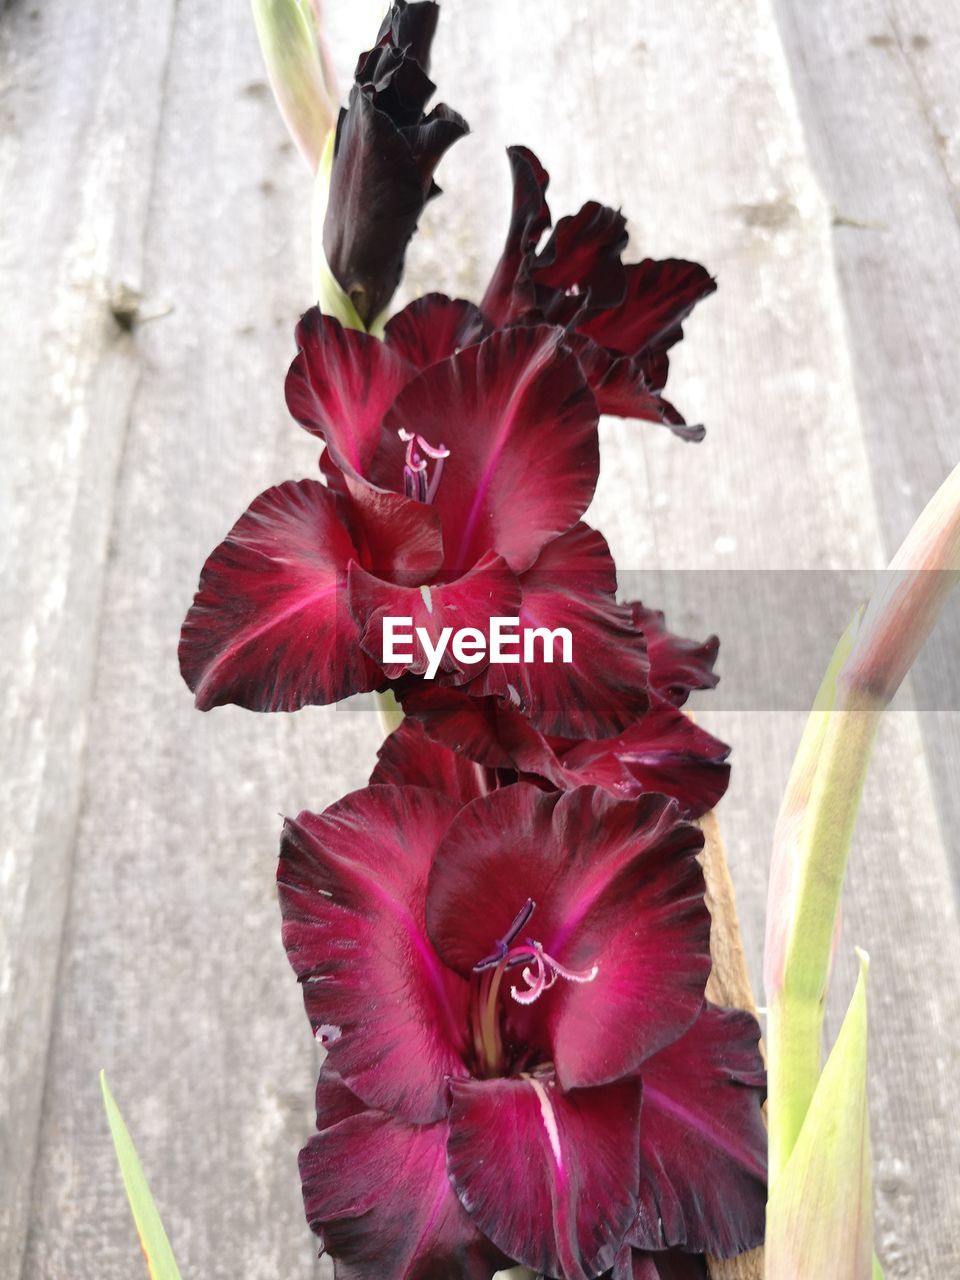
<point x="173" y="976"/>
<point x="80" y="106"/>
<point x="171" y="972"/>
<point x="876" y="83"/>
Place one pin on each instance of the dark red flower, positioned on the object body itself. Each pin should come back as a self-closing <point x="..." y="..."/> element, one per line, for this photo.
<point x="663" y="750"/>
<point x="457" y="467"/>
<point x="385" y="152"/>
<point x="678" y="666"/>
<point x="668" y="1264"/>
<point x="620" y="319"/>
<point x="495" y="983"/>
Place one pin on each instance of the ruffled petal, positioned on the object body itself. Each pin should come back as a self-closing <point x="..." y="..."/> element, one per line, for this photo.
<point x="703" y="1144"/>
<point x="579" y="269"/>
<point x="663" y="751"/>
<point x="377" y="1193"/>
<point x="269" y="627"/>
<point x="616" y="886"/>
<point x="468" y="725"/>
<point x="659" y="297"/>
<point x="510" y="408"/>
<point x="677" y="665"/>
<point x="548" y="1176"/>
<point x="603" y="688"/>
<point x="409" y="758"/>
<point x="352" y="884"/>
<point x="488" y="590"/>
<point x="340" y="386"/>
<point x="510" y="291"/>
<point x="433" y="328"/>
<point x="397" y="538"/>
<point x="625" y="386"/>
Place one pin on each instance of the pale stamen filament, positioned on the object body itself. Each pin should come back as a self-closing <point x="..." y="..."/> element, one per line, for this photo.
<point x="545" y="973"/>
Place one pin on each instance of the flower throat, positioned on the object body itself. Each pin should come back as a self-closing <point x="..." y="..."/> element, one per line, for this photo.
<point x="539" y="973"/>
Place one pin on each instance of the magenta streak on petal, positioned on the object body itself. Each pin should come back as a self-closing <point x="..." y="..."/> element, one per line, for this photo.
<point x="435" y="1209"/>
<point x="506" y="425"/>
<point x="254" y="633"/>
<point x="346" y="415"/>
<point x="654" y="1098"/>
<point x="585" y="902"/>
<point x="424" y="950"/>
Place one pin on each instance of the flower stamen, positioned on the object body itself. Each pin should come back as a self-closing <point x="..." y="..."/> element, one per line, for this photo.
<point x="539" y="972"/>
<point x="504" y="944"/>
<point x="415" y="466"/>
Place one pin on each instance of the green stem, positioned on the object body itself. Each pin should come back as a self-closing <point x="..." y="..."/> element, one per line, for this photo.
<point x="795" y="1007"/>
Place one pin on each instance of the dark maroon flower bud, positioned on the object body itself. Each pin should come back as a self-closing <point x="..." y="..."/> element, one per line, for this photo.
<point x="385" y="152"/>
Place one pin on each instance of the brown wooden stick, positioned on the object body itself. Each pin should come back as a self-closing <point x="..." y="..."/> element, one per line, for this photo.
<point x="728" y="985"/>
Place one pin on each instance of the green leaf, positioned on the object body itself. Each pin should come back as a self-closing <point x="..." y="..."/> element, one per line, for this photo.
<point x="161" y="1263"/>
<point x="820" y="1210"/>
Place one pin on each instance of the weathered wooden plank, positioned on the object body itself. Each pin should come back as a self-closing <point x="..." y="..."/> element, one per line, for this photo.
<point x="877" y="86"/>
<point x="173" y="976"/>
<point x="79" y="103"/>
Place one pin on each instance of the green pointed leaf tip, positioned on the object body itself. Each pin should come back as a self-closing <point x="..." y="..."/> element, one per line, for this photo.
<point x="820" y="1211"/>
<point x="161" y="1263"/>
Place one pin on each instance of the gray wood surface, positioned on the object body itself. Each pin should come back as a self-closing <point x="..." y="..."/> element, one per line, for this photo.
<point x="138" y="925"/>
<point x="876" y="83"/>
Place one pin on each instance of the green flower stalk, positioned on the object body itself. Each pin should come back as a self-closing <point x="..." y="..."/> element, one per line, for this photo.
<point x="818" y="814"/>
<point x="298" y="66"/>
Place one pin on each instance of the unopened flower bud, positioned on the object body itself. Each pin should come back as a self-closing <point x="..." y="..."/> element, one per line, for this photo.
<point x="901" y="616"/>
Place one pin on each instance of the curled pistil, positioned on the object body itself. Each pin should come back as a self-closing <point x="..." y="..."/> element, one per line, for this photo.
<point x="416" y="483"/>
<point x="544" y="974"/>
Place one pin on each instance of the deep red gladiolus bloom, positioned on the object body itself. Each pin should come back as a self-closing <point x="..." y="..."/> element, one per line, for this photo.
<point x="458" y="466"/>
<point x="385" y="153"/>
<point x="520" y="1062"/>
<point x="620" y="319"/>
<point x="663" y="750"/>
